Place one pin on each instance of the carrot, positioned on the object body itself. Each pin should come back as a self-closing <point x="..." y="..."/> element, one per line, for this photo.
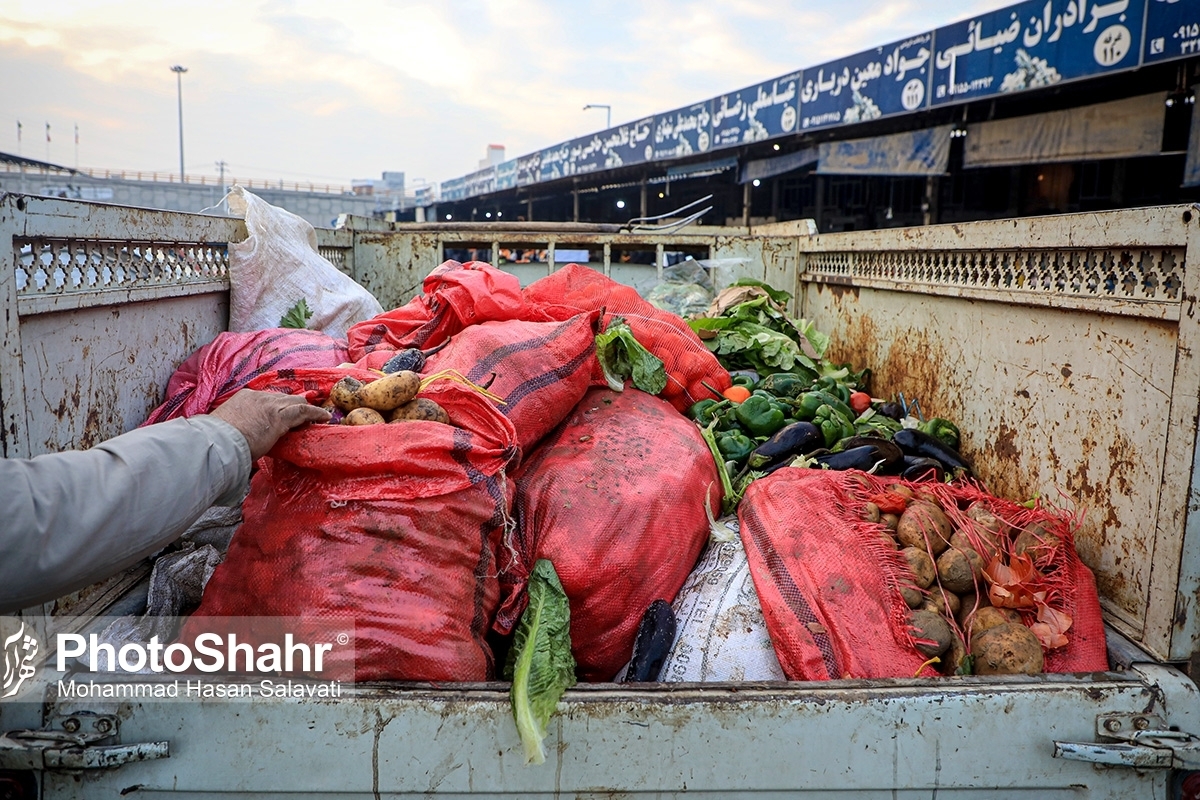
<point x="737" y="394"/>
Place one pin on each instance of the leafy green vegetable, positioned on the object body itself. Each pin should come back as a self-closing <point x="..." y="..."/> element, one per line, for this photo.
<point x="297" y="316"/>
<point x="778" y="295"/>
<point x="622" y="356"/>
<point x="540" y="664"/>
<point x="759" y="335"/>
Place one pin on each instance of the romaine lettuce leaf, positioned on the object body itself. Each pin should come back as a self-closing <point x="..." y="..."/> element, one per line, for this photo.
<point x="540" y="664"/>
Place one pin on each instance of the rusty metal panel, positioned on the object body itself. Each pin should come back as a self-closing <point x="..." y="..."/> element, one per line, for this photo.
<point x="877" y="739"/>
<point x="1063" y="345"/>
<point x="392" y="266"/>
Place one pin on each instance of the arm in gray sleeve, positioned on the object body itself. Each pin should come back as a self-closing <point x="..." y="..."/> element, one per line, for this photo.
<point x="70" y="519"/>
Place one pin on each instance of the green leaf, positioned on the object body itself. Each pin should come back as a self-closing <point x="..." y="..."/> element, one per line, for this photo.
<point x="622" y="356"/>
<point x="778" y="295"/>
<point x="540" y="664"/>
<point x="297" y="316"/>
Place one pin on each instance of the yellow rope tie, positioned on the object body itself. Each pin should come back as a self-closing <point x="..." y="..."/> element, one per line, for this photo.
<point x="457" y="377"/>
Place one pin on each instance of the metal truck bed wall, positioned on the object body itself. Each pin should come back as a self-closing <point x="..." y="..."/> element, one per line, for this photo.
<point x="1062" y="344"/>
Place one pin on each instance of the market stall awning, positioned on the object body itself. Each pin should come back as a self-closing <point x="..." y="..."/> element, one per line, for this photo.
<point x="770" y="167"/>
<point x="911" y="153"/>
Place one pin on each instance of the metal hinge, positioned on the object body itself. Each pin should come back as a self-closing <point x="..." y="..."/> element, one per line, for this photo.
<point x="70" y="742"/>
<point x="1135" y="740"/>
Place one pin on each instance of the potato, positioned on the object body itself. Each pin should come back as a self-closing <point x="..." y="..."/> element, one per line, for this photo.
<point x="913" y="597"/>
<point x="943" y="602"/>
<point x="931" y="626"/>
<point x="921" y="565"/>
<point x="988" y="543"/>
<point x="420" y="410"/>
<point x="390" y="391"/>
<point x="969" y="603"/>
<point x="890" y="521"/>
<point x="952" y="659"/>
<point x="1035" y="541"/>
<point x="921" y="518"/>
<point x="1009" y="649"/>
<point x="902" y="490"/>
<point x="363" y="416"/>
<point x="344" y="394"/>
<point x="871" y="512"/>
<point x="960" y="570"/>
<point x="990" y="617"/>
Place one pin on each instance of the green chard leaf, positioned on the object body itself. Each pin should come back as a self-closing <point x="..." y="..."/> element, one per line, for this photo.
<point x="622" y="356"/>
<point x="297" y="316"/>
<point x="540" y="664"/>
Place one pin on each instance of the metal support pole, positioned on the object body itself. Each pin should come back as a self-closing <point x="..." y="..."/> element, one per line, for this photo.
<point x="746" y="187"/>
<point x="178" y="70"/>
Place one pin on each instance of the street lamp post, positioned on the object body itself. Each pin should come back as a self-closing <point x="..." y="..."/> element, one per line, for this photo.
<point x="608" y="113"/>
<point x="178" y="70"/>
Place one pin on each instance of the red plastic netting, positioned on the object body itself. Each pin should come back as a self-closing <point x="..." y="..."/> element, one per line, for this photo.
<point x="396" y="526"/>
<point x="615" y="499"/>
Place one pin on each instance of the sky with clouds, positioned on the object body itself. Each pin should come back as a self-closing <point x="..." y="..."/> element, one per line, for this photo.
<point x="332" y="91"/>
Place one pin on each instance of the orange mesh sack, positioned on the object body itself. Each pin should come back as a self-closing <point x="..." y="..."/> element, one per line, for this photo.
<point x="396" y="526"/>
<point x="615" y="499"/>
<point x="688" y="362"/>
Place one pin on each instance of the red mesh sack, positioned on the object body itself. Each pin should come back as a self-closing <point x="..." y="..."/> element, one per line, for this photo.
<point x="829" y="585"/>
<point x="232" y="360"/>
<point x="688" y="362"/>
<point x="830" y="582"/>
<point x="541" y="369"/>
<point x="1060" y="581"/>
<point x="615" y="499"/>
<point x="455" y="296"/>
<point x="395" y="526"/>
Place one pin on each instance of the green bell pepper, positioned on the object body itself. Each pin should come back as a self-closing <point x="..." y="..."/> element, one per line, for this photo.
<point x="942" y="429"/>
<point x="697" y="411"/>
<point x="759" y="415"/>
<point x="833" y="424"/>
<point x="785" y="384"/>
<point x="809" y="402"/>
<point x="839" y="390"/>
<point x="735" y="446"/>
<point x="743" y="379"/>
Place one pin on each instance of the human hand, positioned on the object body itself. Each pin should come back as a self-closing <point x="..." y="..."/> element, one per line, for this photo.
<point x="263" y="417"/>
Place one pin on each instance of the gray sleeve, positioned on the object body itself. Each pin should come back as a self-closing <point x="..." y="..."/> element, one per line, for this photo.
<point x="70" y="519"/>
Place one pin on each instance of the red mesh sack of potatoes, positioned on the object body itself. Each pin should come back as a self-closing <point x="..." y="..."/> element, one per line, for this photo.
<point x="454" y="297"/>
<point x="828" y="581"/>
<point x="232" y="360"/>
<point x="615" y="499"/>
<point x="845" y="595"/>
<point x="395" y="526"/>
<point x="689" y="364"/>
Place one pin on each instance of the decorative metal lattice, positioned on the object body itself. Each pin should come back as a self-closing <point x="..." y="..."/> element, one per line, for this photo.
<point x="335" y="256"/>
<point x="47" y="266"/>
<point x="1154" y="274"/>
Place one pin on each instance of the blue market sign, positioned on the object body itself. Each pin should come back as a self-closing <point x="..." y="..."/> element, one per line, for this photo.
<point x="763" y="111"/>
<point x="1172" y="30"/>
<point x="1034" y="44"/>
<point x="873" y="84"/>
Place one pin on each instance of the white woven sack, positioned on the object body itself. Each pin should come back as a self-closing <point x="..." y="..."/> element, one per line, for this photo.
<point x="278" y="265"/>
<point x="720" y="633"/>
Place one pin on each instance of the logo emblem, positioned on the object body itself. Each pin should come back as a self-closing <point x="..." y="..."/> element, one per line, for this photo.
<point x="20" y="653"/>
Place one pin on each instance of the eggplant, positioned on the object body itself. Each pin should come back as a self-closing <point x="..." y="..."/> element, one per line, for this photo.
<point x="890" y="450"/>
<point x="918" y="468"/>
<point x="791" y="440"/>
<point x="893" y="410"/>
<point x="655" y="635"/>
<point x="863" y="458"/>
<point x="412" y="359"/>
<point x="916" y="443"/>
